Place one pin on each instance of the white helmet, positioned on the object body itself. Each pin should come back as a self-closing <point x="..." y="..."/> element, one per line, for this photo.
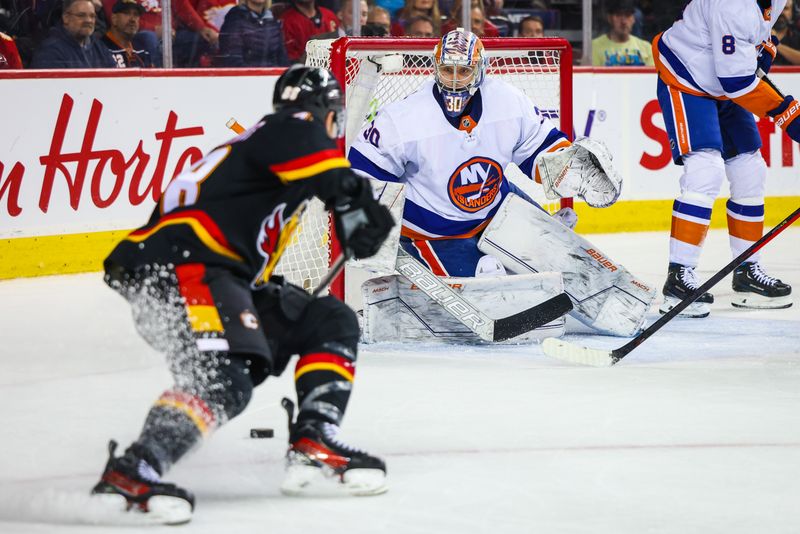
<point x="460" y="67"/>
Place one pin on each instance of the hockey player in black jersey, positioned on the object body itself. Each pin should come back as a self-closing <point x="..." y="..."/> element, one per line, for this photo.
<point x="198" y="279"/>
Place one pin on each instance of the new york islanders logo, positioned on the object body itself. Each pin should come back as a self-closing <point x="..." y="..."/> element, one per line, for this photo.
<point x="475" y="184"/>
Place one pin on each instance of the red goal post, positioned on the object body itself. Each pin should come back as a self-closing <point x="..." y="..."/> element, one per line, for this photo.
<point x="540" y="68"/>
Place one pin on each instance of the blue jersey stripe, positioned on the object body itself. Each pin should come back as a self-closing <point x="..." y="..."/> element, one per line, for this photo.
<point x="434" y="223"/>
<point x="552" y="137"/>
<point x="362" y="163"/>
<point x="676" y="64"/>
<point x="736" y="83"/>
<point x="692" y="210"/>
<point x="747" y="211"/>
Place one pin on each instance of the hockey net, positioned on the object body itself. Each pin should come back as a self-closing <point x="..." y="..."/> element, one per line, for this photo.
<point x="540" y="68"/>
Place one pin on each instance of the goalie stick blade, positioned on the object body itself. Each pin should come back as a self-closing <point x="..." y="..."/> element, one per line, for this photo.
<point x="569" y="352"/>
<point x="527" y="320"/>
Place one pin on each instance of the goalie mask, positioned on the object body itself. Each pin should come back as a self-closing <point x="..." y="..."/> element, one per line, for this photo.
<point x="310" y="89"/>
<point x="459" y="69"/>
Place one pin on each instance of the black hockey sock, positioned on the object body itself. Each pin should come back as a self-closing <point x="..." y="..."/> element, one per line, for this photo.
<point x="176" y="423"/>
<point x="184" y="415"/>
<point x="324" y="379"/>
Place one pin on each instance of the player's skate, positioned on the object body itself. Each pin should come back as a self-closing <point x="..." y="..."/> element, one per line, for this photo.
<point x="682" y="282"/>
<point x="130" y="484"/>
<point x="318" y="463"/>
<point x="753" y="288"/>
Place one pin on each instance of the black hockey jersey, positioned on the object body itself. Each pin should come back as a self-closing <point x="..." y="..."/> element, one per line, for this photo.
<point x="238" y="205"/>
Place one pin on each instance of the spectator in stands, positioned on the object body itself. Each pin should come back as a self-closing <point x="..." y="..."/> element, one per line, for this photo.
<point x="414" y="8"/>
<point x="392" y="7"/>
<point x="421" y="26"/>
<point x="9" y="56"/>
<point x="345" y="15"/>
<point x="71" y="45"/>
<point x="19" y="21"/>
<point x="480" y="26"/>
<point x="532" y="26"/>
<point x="101" y="21"/>
<point x="197" y="37"/>
<point x="193" y="39"/>
<point x="121" y="36"/>
<point x="379" y="17"/>
<point x="150" y="20"/>
<point x="196" y="40"/>
<point x="786" y="30"/>
<point x="251" y="37"/>
<point x="618" y="48"/>
<point x="302" y="20"/>
<point x="213" y="11"/>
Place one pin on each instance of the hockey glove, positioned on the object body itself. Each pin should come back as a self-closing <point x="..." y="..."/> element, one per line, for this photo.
<point x="785" y="115"/>
<point x="362" y="223"/>
<point x="584" y="169"/>
<point x="769" y="49"/>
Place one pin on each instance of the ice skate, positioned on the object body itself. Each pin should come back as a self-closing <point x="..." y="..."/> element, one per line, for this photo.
<point x="682" y="282"/>
<point x="130" y="484"/>
<point x="317" y="463"/>
<point x="753" y="288"/>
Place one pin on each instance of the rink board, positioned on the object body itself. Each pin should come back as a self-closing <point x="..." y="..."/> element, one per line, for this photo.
<point x="89" y="151"/>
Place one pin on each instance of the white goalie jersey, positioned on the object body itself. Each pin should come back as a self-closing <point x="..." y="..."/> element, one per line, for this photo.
<point x="454" y="176"/>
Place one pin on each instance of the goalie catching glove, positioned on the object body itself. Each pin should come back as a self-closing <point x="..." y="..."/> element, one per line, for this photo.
<point x="584" y="170"/>
<point x="362" y="223"/>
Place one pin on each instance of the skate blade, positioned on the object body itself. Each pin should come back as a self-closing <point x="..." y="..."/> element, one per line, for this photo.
<point x="310" y="481"/>
<point x="754" y="301"/>
<point x="161" y="510"/>
<point x="695" y="310"/>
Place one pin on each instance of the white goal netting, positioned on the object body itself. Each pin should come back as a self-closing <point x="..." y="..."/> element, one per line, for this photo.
<point x="377" y="72"/>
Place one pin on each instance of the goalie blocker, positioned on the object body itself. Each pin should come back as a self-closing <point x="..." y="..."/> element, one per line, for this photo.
<point x="604" y="294"/>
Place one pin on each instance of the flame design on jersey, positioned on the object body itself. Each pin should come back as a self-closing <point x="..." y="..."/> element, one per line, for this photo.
<point x="274" y="236"/>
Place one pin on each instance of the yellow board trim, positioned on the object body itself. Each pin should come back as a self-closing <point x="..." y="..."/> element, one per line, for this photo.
<point x="324" y="366"/>
<point x="80" y="253"/>
<point x="655" y="215"/>
<point x="312" y="170"/>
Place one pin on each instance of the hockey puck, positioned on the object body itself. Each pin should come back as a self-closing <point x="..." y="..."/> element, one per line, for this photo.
<point x="261" y="433"/>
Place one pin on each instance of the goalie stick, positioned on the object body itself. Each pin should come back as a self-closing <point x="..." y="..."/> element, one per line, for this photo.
<point x="568" y="352"/>
<point x="467" y="314"/>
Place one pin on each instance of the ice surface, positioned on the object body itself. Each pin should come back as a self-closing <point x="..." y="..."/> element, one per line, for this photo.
<point x="696" y="431"/>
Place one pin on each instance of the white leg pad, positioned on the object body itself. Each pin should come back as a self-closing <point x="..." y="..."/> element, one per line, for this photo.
<point x="605" y="295"/>
<point x="395" y="310"/>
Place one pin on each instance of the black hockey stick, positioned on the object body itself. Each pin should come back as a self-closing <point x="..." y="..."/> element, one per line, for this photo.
<point x="469" y="315"/>
<point x="569" y="352"/>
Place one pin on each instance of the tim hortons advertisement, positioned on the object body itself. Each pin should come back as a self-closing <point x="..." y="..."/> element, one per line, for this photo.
<point x="92" y="154"/>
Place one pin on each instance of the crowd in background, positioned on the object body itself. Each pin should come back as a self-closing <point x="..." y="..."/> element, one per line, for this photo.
<point x="258" y="33"/>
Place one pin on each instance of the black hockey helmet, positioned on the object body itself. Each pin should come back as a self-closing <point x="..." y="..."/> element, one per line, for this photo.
<point x="311" y="89"/>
